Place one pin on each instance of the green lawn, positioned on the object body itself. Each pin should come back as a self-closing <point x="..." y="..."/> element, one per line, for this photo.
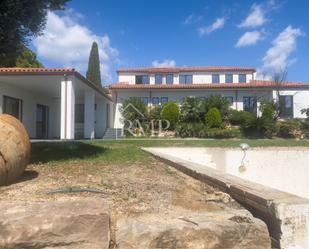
<point x="128" y="151"/>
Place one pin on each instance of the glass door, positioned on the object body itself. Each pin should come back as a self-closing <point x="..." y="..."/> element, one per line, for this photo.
<point x="42" y="117"/>
<point x="13" y="107"/>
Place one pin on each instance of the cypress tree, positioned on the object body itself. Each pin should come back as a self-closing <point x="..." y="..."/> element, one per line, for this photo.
<point x="93" y="72"/>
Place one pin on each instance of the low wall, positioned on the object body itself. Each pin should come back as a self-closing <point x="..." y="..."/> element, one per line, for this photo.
<point x="286" y="215"/>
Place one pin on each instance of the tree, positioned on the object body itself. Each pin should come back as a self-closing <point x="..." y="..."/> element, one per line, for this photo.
<point x="20" y="21"/>
<point x="279" y="78"/>
<point x="213" y="118"/>
<point x="93" y="72"/>
<point x="170" y="113"/>
<point x="27" y="58"/>
<point x="190" y="110"/>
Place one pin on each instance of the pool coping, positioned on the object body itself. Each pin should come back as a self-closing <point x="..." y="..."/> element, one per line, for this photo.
<point x="284" y="213"/>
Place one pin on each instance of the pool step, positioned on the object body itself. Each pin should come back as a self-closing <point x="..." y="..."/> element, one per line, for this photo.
<point x="113" y="133"/>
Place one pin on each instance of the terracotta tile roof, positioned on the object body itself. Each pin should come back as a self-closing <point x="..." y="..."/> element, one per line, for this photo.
<point x="19" y="70"/>
<point x="185" y="69"/>
<point x="53" y="71"/>
<point x="252" y="84"/>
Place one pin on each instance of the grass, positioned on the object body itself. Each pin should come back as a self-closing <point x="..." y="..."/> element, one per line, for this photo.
<point x="128" y="151"/>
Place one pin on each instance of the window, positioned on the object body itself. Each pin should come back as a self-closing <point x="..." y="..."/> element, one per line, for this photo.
<point x="242" y="78"/>
<point x="142" y="79"/>
<point x="145" y="100"/>
<point x="164" y="100"/>
<point x="286" y="106"/>
<point x="79" y="113"/>
<point x="249" y="104"/>
<point x="229" y="78"/>
<point x="230" y="100"/>
<point x="215" y="78"/>
<point x="155" y="100"/>
<point x="169" y="79"/>
<point x="185" y="79"/>
<point x="12" y="106"/>
<point x="158" y="79"/>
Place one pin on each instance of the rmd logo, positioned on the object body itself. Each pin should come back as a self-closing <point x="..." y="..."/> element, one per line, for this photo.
<point x="137" y="124"/>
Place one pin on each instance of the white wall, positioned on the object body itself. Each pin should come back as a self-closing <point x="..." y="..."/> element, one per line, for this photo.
<point x="29" y="103"/>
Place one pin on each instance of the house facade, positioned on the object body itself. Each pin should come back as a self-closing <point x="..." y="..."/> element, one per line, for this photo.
<point x="59" y="103"/>
<point x="156" y="86"/>
<point x="55" y="103"/>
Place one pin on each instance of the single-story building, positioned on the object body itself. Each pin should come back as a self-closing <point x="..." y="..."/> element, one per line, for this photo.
<point x="55" y="103"/>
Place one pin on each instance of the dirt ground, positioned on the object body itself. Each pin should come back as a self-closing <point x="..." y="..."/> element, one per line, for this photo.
<point x="130" y="189"/>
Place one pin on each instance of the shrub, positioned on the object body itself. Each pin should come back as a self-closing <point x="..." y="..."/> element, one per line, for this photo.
<point x="220" y="133"/>
<point x="305" y="111"/>
<point x="155" y="112"/>
<point x="213" y="118"/>
<point x="240" y="117"/>
<point x="305" y="128"/>
<point x="264" y="126"/>
<point x="289" y="129"/>
<point x="190" y="110"/>
<point x="218" y="102"/>
<point x="133" y="108"/>
<point x="268" y="123"/>
<point x="170" y="112"/>
<point x="189" y="129"/>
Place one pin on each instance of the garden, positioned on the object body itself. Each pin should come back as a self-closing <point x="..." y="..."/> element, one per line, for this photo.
<point x="210" y="118"/>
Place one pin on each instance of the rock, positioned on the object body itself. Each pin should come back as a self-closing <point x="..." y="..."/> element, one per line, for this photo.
<point x="234" y="229"/>
<point x="63" y="224"/>
<point x="14" y="149"/>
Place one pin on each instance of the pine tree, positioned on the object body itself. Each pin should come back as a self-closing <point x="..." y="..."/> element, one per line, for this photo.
<point x="93" y="72"/>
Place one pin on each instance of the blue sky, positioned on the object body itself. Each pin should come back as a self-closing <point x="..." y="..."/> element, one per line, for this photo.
<point x="268" y="35"/>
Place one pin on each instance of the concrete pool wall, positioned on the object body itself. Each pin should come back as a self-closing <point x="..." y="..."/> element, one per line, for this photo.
<point x="266" y="184"/>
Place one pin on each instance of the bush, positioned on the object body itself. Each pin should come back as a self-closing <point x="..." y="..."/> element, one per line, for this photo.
<point x="170" y="112"/>
<point x="220" y="133"/>
<point x="155" y="112"/>
<point x="305" y="128"/>
<point x="133" y="108"/>
<point x="240" y="117"/>
<point x="218" y="102"/>
<point x="190" y="110"/>
<point x="306" y="112"/>
<point x="213" y="118"/>
<point x="189" y="129"/>
<point x="264" y="126"/>
<point x="289" y="129"/>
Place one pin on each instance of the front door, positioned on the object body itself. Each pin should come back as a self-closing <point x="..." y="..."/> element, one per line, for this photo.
<point x="42" y="117"/>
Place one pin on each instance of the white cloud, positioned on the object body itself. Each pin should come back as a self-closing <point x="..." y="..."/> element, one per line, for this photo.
<point x="190" y="19"/>
<point x="68" y="43"/>
<point x="217" y="24"/>
<point x="277" y="57"/>
<point x="255" y="19"/>
<point x="165" y="63"/>
<point x="249" y="38"/>
<point x="257" y="16"/>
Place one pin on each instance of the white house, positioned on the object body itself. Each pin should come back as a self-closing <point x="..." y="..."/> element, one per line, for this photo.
<point x="55" y="103"/>
<point x="58" y="103"/>
<point x="239" y="85"/>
